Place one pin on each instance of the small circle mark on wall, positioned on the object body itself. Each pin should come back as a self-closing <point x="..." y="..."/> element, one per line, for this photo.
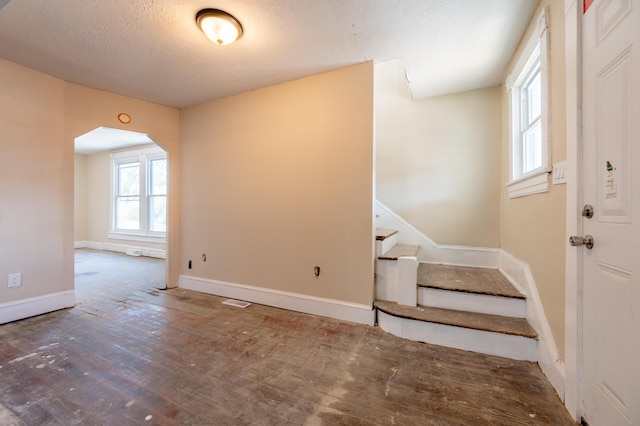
<point x="124" y="118"/>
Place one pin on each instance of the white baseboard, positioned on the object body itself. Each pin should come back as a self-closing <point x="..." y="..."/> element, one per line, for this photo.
<point x="330" y="308"/>
<point x="430" y="251"/>
<point x="25" y="308"/>
<point x="519" y="274"/>
<point x="121" y="248"/>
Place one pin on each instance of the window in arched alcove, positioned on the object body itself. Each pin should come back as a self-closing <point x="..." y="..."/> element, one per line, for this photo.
<point x="121" y="197"/>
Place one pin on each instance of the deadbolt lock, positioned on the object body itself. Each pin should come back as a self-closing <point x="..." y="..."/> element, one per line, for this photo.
<point x="586" y="241"/>
<point x="587" y="211"/>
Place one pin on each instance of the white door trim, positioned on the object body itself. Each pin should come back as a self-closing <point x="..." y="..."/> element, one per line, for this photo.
<point x="573" y="261"/>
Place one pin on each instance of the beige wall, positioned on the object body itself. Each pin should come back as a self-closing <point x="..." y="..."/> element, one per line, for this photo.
<point x="80" y="198"/>
<point x="86" y="109"/>
<point x="98" y="196"/>
<point x="438" y="159"/>
<point x="40" y="116"/>
<point x="533" y="227"/>
<point x="96" y="204"/>
<point x="34" y="194"/>
<point x="278" y="180"/>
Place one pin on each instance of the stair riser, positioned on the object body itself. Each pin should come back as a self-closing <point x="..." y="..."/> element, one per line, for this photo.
<point x="481" y="303"/>
<point x="490" y="343"/>
<point x="387" y="280"/>
<point x="396" y="280"/>
<point x="383" y="246"/>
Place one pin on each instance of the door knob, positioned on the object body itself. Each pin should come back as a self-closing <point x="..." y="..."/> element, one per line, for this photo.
<point x="586" y="241"/>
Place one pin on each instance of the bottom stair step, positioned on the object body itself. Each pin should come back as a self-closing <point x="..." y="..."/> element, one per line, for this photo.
<point x="484" y="322"/>
<point x="490" y="334"/>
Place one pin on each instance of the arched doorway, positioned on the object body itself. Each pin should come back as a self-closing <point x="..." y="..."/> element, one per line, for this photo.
<point x="120" y="194"/>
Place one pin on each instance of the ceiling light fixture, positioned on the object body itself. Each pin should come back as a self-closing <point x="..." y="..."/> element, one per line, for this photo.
<point x="219" y="26"/>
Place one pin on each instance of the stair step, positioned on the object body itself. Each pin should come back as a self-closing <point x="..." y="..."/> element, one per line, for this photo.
<point x="400" y="250"/>
<point x="478" y="290"/>
<point x="385" y="240"/>
<point x="383" y="234"/>
<point x="472" y="302"/>
<point x="472" y="320"/>
<point x="466" y="279"/>
<point x="507" y="337"/>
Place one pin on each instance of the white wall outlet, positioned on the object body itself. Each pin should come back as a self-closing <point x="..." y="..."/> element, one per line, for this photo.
<point x="134" y="252"/>
<point x="15" y="280"/>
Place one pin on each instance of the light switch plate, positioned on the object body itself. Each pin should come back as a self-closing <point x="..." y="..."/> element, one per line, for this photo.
<point x="559" y="173"/>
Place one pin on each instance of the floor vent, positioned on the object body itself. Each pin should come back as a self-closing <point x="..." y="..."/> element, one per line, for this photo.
<point x="134" y="252"/>
<point x="236" y="303"/>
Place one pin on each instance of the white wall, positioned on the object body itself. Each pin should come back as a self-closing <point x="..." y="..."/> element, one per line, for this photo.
<point x="438" y="159"/>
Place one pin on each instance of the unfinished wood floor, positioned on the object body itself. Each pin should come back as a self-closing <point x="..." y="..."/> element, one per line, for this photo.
<point x="147" y="356"/>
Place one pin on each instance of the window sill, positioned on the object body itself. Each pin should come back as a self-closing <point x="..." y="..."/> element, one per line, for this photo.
<point x="159" y="239"/>
<point x="533" y="183"/>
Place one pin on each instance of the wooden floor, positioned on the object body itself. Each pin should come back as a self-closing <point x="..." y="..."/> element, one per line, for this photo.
<point x="131" y="354"/>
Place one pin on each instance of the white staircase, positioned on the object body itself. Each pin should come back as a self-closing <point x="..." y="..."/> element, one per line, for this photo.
<point x="473" y="309"/>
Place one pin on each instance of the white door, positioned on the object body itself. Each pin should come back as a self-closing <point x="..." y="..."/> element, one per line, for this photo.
<point x="611" y="167"/>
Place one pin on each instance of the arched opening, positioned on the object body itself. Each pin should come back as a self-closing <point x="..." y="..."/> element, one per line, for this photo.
<point x="121" y="190"/>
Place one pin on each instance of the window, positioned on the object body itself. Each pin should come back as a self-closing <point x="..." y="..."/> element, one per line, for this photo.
<point x="528" y="87"/>
<point x="158" y="195"/>
<point x="139" y="207"/>
<point x="127" y="205"/>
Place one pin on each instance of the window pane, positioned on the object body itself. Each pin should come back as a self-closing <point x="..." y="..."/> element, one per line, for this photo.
<point x="158" y="177"/>
<point x="158" y="214"/>
<point x="532" y="148"/>
<point x="128" y="213"/>
<point x="534" y="98"/>
<point x="129" y="179"/>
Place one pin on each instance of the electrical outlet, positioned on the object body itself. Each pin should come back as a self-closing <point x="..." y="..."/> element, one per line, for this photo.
<point x="15" y="280"/>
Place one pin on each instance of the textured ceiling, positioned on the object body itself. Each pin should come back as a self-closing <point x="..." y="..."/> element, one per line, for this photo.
<point x="107" y="139"/>
<point x="152" y="49"/>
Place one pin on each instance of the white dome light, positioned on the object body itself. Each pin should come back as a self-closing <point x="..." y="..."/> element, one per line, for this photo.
<point x="219" y="26"/>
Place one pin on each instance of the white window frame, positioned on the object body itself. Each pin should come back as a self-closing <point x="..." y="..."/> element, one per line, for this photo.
<point x="143" y="157"/>
<point x="536" y="52"/>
